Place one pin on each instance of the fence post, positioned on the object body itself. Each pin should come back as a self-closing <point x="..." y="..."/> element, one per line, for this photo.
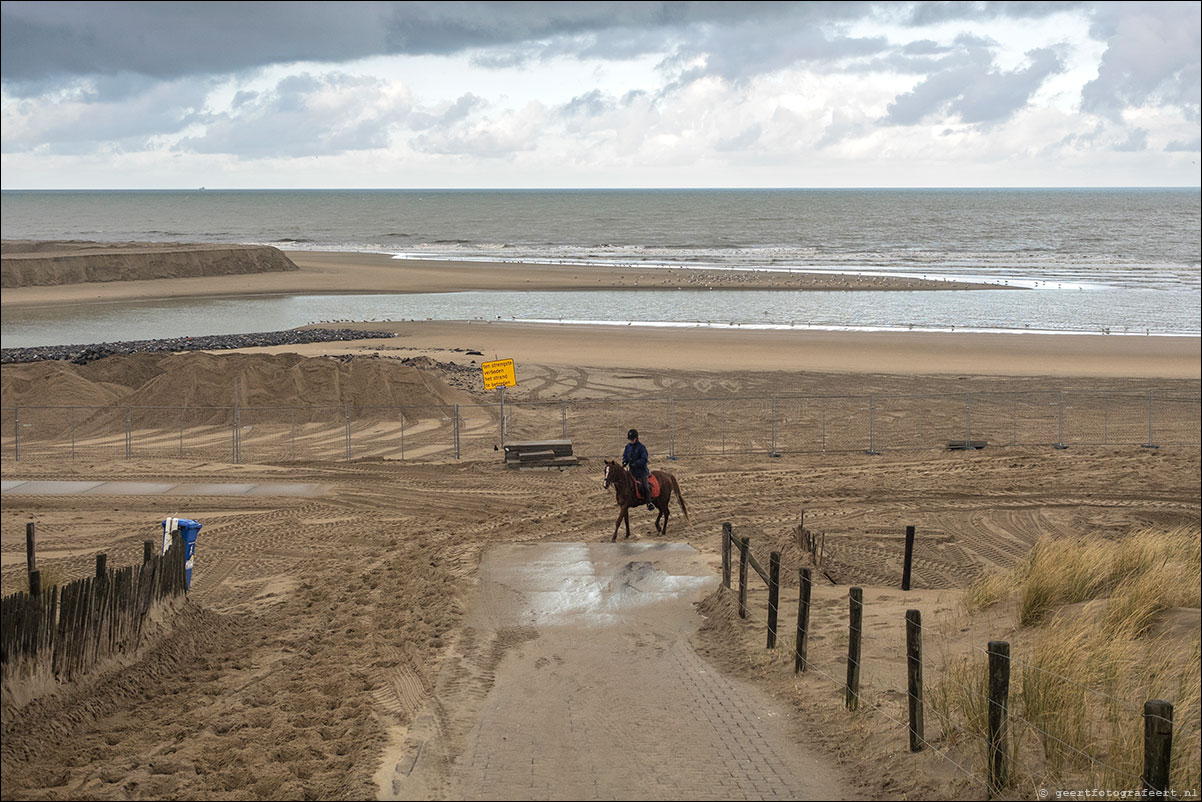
<point x="822" y="422"/>
<point x="803" y="621"/>
<point x="1151" y="443"/>
<point x="31" y="557"/>
<point x="871" y="425"/>
<point x="672" y="437"/>
<point x="1060" y="421"/>
<point x="35" y="583"/>
<point x="1014" y="419"/>
<point x="909" y="558"/>
<point x="147" y="551"/>
<point x="967" y="420"/>
<point x="101" y="568"/>
<point x="999" y="699"/>
<point x="563" y="417"/>
<point x="914" y="677"/>
<point x="1158" y="745"/>
<point x="726" y="536"/>
<point x="775" y="452"/>
<point x="773" y="596"/>
<point x="855" y="626"/>
<point x="744" y="545"/>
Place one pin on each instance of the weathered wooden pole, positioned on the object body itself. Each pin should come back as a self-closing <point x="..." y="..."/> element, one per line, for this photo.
<point x="909" y="558"/>
<point x="856" y="624"/>
<point x="744" y="545"/>
<point x="773" y="596"/>
<point x="1158" y="746"/>
<point x="914" y="677"/>
<point x="35" y="583"/>
<point x="726" y="536"/>
<point x="999" y="699"/>
<point x="31" y="557"/>
<point x="803" y="620"/>
<point x="147" y="551"/>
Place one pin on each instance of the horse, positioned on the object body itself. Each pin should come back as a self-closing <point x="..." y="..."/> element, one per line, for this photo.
<point x="626" y="491"/>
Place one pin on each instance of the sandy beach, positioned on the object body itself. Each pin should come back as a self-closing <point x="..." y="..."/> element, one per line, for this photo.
<point x="364" y="641"/>
<point x="356" y="273"/>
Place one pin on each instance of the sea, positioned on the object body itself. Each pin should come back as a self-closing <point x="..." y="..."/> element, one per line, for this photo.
<point x="1104" y="262"/>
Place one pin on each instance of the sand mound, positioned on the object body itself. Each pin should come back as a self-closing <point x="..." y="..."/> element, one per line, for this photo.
<point x="28" y="263"/>
<point x="200" y="380"/>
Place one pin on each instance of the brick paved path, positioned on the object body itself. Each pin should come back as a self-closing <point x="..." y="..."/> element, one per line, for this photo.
<point x="599" y="695"/>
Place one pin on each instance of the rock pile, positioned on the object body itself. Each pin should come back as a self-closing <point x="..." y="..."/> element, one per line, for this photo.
<point x="84" y="354"/>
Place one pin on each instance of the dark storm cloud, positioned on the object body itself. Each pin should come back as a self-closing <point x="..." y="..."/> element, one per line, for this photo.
<point x="44" y="41"/>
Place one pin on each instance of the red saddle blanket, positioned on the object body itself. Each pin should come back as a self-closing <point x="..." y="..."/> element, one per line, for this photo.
<point x="653" y="483"/>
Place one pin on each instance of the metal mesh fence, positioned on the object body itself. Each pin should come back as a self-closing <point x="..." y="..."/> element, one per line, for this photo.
<point x="673" y="427"/>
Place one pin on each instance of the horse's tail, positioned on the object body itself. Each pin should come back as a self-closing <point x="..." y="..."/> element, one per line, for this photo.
<point x="680" y="498"/>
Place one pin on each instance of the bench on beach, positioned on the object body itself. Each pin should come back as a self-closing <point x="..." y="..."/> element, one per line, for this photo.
<point x="540" y="454"/>
<point x="966" y="445"/>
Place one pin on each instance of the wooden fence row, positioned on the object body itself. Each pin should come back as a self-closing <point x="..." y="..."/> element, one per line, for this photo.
<point x="65" y="630"/>
<point x="1157" y="714"/>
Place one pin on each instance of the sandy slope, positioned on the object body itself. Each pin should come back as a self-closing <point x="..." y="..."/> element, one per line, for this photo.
<point x="30" y="263"/>
<point x="326" y="626"/>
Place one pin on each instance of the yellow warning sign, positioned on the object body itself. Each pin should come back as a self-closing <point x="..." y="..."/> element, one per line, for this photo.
<point x="499" y="374"/>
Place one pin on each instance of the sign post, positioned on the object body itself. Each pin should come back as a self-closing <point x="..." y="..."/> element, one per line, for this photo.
<point x="499" y="373"/>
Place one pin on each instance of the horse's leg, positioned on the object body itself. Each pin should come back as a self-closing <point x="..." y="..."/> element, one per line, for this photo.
<point x="667" y="513"/>
<point x="621" y="513"/>
<point x="626" y="512"/>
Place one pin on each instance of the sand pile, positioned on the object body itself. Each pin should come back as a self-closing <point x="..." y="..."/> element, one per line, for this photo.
<point x="27" y="263"/>
<point x="215" y="380"/>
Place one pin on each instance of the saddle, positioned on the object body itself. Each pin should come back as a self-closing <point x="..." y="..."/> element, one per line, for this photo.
<point x="652" y="483"/>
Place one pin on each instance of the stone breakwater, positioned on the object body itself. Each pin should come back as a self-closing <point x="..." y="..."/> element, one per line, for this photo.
<point x="83" y="354"/>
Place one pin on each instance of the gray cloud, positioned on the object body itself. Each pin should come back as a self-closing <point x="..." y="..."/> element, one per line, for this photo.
<point x="304" y="115"/>
<point x="1152" y="55"/>
<point x="1179" y="146"/>
<point x="971" y="88"/>
<point x="41" y="42"/>
<point x="1136" y="141"/>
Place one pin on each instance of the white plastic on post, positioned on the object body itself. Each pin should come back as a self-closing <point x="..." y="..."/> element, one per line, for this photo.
<point x="170" y="526"/>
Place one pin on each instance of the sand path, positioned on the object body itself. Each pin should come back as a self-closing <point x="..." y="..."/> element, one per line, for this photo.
<point x="576" y="679"/>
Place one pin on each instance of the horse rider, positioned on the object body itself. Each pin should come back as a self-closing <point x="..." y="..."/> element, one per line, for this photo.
<point x="636" y="457"/>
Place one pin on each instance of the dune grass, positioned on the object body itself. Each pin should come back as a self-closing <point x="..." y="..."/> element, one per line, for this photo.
<point x="1090" y="646"/>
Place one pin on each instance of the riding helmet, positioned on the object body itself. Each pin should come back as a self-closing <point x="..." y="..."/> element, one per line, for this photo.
<point x="633" y="434"/>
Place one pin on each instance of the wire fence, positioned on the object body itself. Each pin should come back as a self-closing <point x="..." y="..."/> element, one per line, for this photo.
<point x="674" y="427"/>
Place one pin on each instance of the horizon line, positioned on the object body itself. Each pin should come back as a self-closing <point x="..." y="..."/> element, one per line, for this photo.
<point x="595" y="189"/>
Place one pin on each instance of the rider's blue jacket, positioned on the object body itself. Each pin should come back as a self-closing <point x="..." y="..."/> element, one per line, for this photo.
<point x="636" y="457"/>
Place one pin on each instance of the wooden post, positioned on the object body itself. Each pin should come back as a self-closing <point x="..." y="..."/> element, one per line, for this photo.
<point x="101" y="567"/>
<point x="856" y="623"/>
<point x="914" y="677"/>
<point x="744" y="545"/>
<point x="1158" y="746"/>
<point x="909" y="558"/>
<point x="147" y="551"/>
<point x="999" y="699"/>
<point x="31" y="557"/>
<point x="35" y="583"/>
<point x="726" y="536"/>
<point x="773" y="596"/>
<point x="803" y="621"/>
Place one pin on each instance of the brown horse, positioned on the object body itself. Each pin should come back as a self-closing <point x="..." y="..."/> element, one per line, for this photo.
<point x="626" y="489"/>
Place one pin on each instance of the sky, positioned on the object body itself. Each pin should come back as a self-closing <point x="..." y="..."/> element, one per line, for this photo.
<point x="98" y="95"/>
